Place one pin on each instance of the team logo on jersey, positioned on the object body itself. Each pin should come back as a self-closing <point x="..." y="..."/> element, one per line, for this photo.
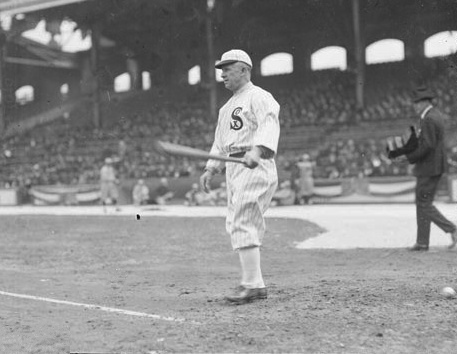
<point x="237" y="122"/>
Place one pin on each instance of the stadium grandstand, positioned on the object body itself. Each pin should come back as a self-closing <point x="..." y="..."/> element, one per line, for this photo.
<point x="342" y="72"/>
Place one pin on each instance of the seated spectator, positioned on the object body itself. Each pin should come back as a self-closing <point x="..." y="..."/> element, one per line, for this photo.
<point x="140" y="193"/>
<point x="196" y="197"/>
<point x="192" y="195"/>
<point x="163" y="194"/>
<point x="285" y="195"/>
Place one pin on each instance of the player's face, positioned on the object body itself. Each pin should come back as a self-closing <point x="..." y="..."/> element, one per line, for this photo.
<point x="233" y="76"/>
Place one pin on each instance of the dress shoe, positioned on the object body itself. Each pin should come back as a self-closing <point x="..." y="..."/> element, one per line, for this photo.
<point x="418" y="247"/>
<point x="244" y="295"/>
<point x="454" y="239"/>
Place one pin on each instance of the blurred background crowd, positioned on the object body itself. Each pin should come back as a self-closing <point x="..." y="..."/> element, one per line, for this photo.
<point x="319" y="118"/>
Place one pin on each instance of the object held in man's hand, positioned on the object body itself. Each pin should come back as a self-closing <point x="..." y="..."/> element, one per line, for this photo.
<point x="396" y="146"/>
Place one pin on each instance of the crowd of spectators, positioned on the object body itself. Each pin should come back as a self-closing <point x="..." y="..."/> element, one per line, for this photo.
<point x="326" y="100"/>
<point x="67" y="153"/>
<point x="348" y="158"/>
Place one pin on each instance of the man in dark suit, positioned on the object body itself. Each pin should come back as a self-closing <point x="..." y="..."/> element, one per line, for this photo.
<point x="430" y="161"/>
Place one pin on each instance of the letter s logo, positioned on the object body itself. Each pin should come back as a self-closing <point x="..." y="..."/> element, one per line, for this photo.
<point x="237" y="122"/>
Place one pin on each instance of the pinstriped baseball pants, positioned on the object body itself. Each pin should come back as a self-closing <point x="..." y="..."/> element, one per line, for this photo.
<point x="249" y="193"/>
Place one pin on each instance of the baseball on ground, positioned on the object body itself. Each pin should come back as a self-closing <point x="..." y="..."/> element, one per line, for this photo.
<point x="448" y="292"/>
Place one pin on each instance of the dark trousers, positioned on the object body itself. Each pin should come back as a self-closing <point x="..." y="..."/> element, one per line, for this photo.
<point x="426" y="212"/>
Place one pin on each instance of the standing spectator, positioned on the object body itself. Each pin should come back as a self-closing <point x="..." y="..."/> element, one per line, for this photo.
<point x="285" y="195"/>
<point x="430" y="161"/>
<point x="302" y="180"/>
<point x="122" y="149"/>
<point x="140" y="193"/>
<point x="108" y="183"/>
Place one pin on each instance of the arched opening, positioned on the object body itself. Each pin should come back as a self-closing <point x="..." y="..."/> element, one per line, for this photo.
<point x="68" y="37"/>
<point x="25" y="94"/>
<point x="122" y="83"/>
<point x="441" y="44"/>
<point x="332" y="57"/>
<point x="277" y="64"/>
<point x="385" y="51"/>
<point x="146" y="80"/>
<point x="194" y="75"/>
<point x="64" y="90"/>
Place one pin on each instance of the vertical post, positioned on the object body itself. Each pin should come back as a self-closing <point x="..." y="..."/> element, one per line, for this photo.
<point x="133" y="68"/>
<point x="2" y="81"/>
<point x="211" y="60"/>
<point x="359" y="55"/>
<point x="95" y="58"/>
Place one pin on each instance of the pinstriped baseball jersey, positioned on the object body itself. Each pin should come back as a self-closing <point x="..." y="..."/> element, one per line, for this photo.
<point x="249" y="118"/>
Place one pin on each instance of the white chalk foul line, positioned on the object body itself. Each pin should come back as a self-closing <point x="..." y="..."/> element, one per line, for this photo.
<point x="96" y="307"/>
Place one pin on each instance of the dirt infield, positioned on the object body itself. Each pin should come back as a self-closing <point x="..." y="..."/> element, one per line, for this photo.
<point x="178" y="269"/>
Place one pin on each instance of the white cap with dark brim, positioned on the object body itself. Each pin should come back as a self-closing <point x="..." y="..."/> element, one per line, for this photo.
<point x="232" y="56"/>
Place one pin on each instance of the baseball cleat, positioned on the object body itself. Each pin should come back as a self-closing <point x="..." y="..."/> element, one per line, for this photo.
<point x="243" y="295"/>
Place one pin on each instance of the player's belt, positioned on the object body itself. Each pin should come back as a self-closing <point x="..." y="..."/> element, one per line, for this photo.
<point x="238" y="154"/>
<point x="242" y="153"/>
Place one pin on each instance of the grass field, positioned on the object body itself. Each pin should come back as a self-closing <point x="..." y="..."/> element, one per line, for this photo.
<point x="173" y="272"/>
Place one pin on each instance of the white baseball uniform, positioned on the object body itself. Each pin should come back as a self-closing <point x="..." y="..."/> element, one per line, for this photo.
<point x="108" y="183"/>
<point x="249" y="118"/>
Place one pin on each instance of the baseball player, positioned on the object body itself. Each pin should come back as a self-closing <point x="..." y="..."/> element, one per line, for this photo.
<point x="248" y="127"/>
<point x="108" y="183"/>
<point x="302" y="180"/>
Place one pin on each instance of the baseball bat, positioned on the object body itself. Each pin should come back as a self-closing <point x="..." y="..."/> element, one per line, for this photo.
<point x="181" y="150"/>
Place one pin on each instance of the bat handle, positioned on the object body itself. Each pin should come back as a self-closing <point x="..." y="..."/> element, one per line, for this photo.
<point x="235" y="159"/>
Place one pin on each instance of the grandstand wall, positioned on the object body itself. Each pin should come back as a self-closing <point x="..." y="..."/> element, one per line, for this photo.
<point x="319" y="114"/>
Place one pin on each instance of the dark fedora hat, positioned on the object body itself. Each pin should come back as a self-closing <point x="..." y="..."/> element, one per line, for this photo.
<point x="422" y="93"/>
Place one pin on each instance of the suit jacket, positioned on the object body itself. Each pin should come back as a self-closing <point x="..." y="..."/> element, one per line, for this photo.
<point x="430" y="155"/>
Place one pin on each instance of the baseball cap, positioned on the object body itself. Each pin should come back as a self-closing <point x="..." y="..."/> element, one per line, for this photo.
<point x="232" y="56"/>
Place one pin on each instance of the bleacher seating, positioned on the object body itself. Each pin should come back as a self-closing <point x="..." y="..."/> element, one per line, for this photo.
<point x="317" y="117"/>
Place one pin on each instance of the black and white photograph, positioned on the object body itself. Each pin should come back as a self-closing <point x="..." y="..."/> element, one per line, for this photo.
<point x="228" y="176"/>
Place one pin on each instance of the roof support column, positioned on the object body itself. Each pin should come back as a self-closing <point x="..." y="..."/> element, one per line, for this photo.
<point x="133" y="68"/>
<point x="359" y="55"/>
<point x="2" y="80"/>
<point x="301" y="62"/>
<point x="212" y="88"/>
<point x="95" y="63"/>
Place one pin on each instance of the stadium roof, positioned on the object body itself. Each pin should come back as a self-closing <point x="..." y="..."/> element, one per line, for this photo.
<point x="151" y="29"/>
<point x="13" y="7"/>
